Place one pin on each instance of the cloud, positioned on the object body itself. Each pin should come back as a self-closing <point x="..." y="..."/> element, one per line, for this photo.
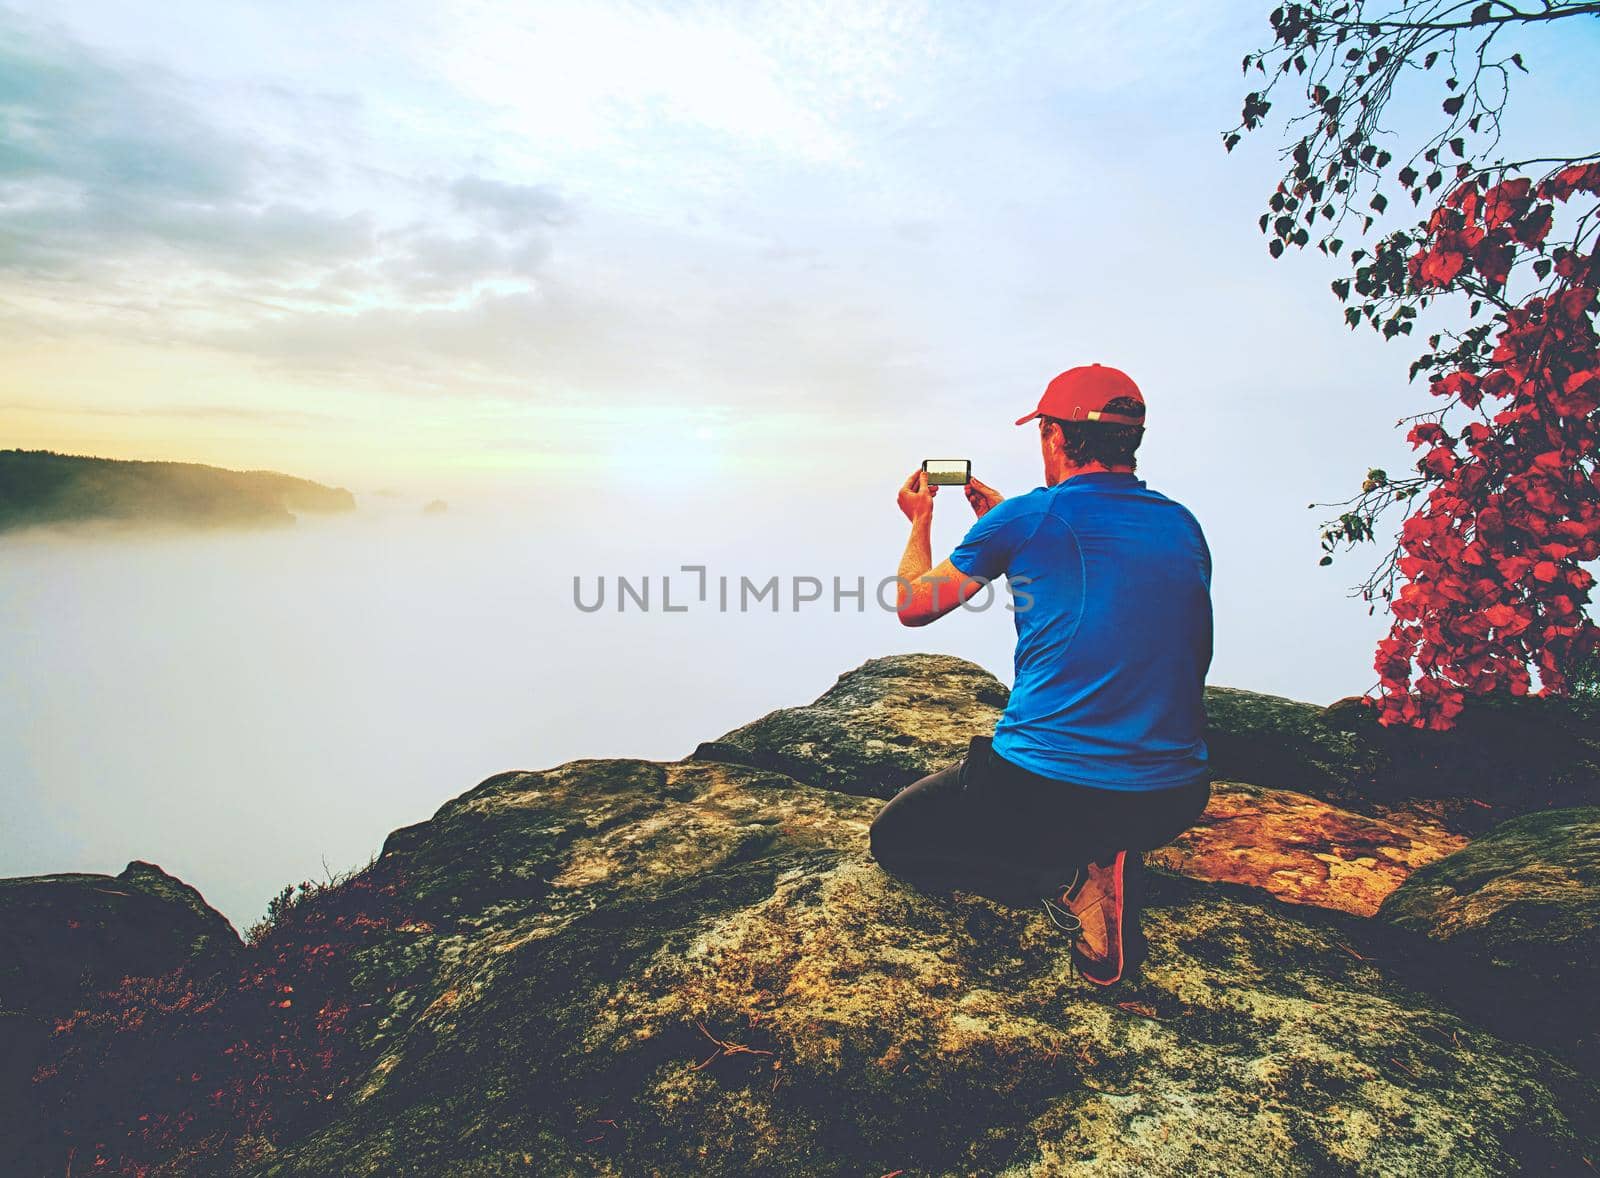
<point x="330" y="260"/>
<point x="69" y="117"/>
<point x="514" y="207"/>
<point x="563" y="341"/>
<point x="202" y="413"/>
<point x="114" y="177"/>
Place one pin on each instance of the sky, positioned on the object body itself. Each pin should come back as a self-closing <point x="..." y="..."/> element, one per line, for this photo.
<point x="636" y="283"/>
<point x="466" y="241"/>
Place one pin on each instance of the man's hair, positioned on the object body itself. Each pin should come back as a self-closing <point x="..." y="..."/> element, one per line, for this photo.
<point x="1085" y="442"/>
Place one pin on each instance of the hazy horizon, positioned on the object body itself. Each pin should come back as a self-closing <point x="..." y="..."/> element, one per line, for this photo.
<point x="243" y="707"/>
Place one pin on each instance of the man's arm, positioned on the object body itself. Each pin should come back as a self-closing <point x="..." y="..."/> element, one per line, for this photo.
<point x="924" y="595"/>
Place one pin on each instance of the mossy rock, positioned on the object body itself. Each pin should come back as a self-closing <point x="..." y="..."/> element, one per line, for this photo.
<point x="64" y="937"/>
<point x="695" y="968"/>
<point x="1525" y="896"/>
<point x="895" y="719"/>
<point x="1516" y="915"/>
<point x="879" y="728"/>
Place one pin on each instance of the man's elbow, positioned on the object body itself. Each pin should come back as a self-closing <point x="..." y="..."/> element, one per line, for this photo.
<point x="912" y="617"/>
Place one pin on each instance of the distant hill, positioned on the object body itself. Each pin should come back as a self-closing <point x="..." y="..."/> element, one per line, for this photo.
<point x="40" y="487"/>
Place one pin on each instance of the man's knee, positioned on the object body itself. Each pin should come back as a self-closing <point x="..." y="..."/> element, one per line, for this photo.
<point x="881" y="836"/>
<point x="917" y="822"/>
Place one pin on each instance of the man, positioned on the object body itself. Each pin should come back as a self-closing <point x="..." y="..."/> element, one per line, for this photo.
<point x="1101" y="752"/>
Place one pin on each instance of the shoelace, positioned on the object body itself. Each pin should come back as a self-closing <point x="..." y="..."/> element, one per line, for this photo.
<point x="1066" y="921"/>
<point x="1069" y="924"/>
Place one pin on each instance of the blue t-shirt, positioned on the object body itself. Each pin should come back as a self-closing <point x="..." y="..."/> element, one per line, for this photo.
<point x="1113" y="649"/>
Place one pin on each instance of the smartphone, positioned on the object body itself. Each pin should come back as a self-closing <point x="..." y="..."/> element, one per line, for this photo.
<point x="947" y="472"/>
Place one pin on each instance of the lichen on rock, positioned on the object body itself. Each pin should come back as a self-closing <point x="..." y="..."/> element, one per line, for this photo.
<point x="695" y="967"/>
<point x="716" y="978"/>
<point x="1515" y="917"/>
<point x="878" y="729"/>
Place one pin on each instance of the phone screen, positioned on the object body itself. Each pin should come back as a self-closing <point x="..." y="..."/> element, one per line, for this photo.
<point x="947" y="472"/>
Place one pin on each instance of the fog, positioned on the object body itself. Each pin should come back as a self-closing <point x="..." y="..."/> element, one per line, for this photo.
<point x="252" y="708"/>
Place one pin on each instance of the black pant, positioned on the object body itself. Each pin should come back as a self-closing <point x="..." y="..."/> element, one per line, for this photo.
<point x="992" y="826"/>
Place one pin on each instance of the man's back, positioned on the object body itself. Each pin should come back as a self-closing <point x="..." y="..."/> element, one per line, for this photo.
<point x="1114" y="646"/>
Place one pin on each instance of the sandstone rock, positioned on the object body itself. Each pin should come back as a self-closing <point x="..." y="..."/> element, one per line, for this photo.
<point x="63" y="937"/>
<point x="1284" y="743"/>
<point x="1505" y="756"/>
<point x="1525" y="896"/>
<point x="895" y="719"/>
<point x="878" y="729"/>
<point x="892" y="720"/>
<point x="1303" y="849"/>
<point x="621" y="967"/>
<point x="1509" y="928"/>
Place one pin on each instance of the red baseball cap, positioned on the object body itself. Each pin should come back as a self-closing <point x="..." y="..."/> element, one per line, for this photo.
<point x="1080" y="394"/>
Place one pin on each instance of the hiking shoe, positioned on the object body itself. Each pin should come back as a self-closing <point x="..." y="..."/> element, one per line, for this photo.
<point x="1099" y="910"/>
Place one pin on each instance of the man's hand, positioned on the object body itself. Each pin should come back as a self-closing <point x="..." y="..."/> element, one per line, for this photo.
<point x="982" y="497"/>
<point x="916" y="496"/>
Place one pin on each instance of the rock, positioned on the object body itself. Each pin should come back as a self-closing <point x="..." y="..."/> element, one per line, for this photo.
<point x="1284" y="743"/>
<point x="1303" y="849"/>
<point x="1508" y="928"/>
<point x="893" y="720"/>
<point x="1506" y="755"/>
<point x="875" y="731"/>
<point x="694" y="968"/>
<point x="64" y="937"/>
<point x="1525" y="897"/>
<point x="624" y="966"/>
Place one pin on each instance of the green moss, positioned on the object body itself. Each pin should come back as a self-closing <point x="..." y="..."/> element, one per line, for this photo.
<point x="704" y="990"/>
